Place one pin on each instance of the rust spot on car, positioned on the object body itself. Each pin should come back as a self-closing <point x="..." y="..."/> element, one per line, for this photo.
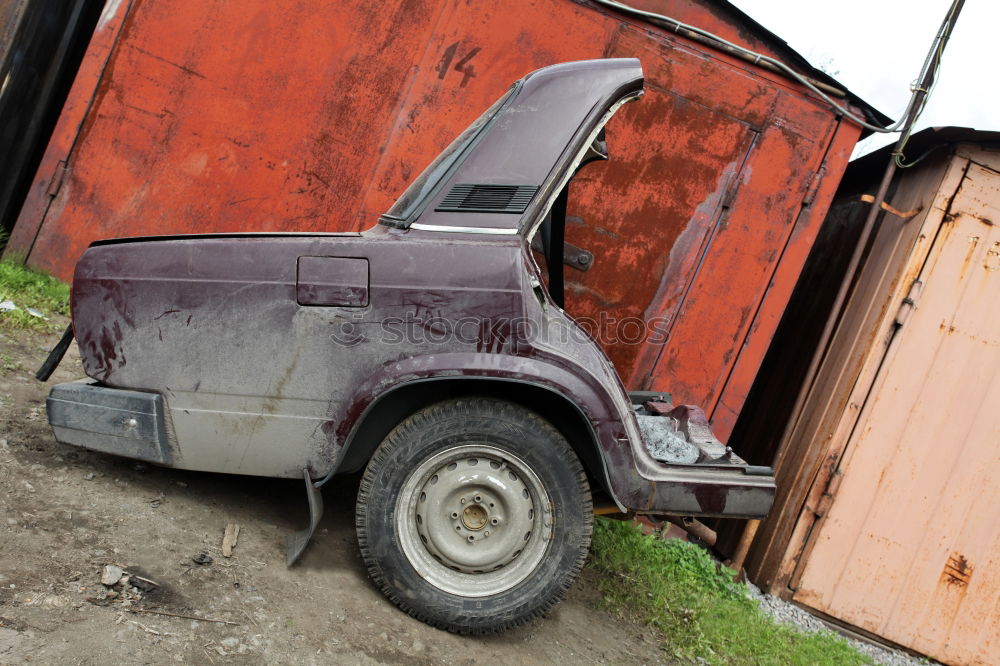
<point x="711" y="499"/>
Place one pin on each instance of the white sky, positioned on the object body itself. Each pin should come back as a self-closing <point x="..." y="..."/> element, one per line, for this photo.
<point x="876" y="48"/>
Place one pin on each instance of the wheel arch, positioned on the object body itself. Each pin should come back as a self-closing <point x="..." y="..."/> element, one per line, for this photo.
<point x="394" y="405"/>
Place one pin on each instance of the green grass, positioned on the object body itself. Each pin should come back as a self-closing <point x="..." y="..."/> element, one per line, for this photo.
<point x="702" y="614"/>
<point x="30" y="289"/>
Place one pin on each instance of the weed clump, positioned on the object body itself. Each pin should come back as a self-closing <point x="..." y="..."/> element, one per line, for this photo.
<point x="703" y="615"/>
<point x="30" y="289"/>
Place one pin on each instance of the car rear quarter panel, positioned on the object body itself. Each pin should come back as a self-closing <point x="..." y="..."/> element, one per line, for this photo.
<point x="257" y="383"/>
<point x="253" y="380"/>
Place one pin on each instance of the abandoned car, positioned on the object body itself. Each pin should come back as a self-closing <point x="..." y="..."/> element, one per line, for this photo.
<point x="431" y="351"/>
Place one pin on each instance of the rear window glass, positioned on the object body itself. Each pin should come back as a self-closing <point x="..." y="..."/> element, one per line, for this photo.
<point x="421" y="188"/>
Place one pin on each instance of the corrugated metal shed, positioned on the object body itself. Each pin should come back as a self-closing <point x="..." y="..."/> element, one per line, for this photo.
<point x="214" y="116"/>
<point x="888" y="485"/>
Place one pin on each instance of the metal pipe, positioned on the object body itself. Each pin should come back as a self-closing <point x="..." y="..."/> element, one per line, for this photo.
<point x="920" y="94"/>
<point x="740" y="556"/>
<point x="695" y="528"/>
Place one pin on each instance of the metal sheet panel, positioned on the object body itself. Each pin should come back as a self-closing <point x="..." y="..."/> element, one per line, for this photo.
<point x="46" y="189"/>
<point x="909" y="548"/>
<point x="253" y="116"/>
<point x="843" y="377"/>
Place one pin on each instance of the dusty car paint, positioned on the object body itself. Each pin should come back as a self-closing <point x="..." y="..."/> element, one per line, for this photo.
<point x="270" y="349"/>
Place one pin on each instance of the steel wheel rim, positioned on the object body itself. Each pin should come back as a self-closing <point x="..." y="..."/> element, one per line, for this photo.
<point x="474" y="520"/>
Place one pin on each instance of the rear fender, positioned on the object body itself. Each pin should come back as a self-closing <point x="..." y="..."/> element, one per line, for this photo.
<point x="388" y="397"/>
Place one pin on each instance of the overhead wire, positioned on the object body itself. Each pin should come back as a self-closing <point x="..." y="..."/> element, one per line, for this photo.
<point x="933" y="60"/>
<point x="931" y="64"/>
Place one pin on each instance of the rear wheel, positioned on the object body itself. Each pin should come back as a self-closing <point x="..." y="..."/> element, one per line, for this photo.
<point x="474" y="515"/>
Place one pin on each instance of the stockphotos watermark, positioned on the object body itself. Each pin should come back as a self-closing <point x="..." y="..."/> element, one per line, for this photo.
<point x="415" y="330"/>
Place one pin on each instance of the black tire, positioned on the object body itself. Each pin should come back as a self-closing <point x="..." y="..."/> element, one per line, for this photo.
<point x="434" y="433"/>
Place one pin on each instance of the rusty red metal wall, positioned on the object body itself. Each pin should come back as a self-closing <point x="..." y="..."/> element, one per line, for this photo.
<point x="203" y="116"/>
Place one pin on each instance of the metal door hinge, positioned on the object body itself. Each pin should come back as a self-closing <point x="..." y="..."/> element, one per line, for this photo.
<point x="573" y="256"/>
<point x="906" y="307"/>
<point x="826" y="499"/>
<point x="814" y="185"/>
<point x="58" y="175"/>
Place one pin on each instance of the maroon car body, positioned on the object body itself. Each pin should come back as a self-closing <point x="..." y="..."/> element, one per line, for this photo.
<point x="290" y="354"/>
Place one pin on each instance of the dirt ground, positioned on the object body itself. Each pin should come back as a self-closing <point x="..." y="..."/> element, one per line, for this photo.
<point x="67" y="512"/>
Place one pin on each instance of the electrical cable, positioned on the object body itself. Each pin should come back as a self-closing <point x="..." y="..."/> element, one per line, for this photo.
<point x="932" y="64"/>
<point x="933" y="60"/>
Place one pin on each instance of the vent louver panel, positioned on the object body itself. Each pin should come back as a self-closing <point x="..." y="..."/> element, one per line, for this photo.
<point x="466" y="198"/>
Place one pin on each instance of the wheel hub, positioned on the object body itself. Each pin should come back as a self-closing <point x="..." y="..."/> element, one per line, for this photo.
<point x="481" y="517"/>
<point x="474" y="514"/>
<point x="474" y="517"/>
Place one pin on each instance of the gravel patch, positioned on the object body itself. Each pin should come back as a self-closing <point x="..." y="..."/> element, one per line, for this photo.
<point x="790" y="614"/>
